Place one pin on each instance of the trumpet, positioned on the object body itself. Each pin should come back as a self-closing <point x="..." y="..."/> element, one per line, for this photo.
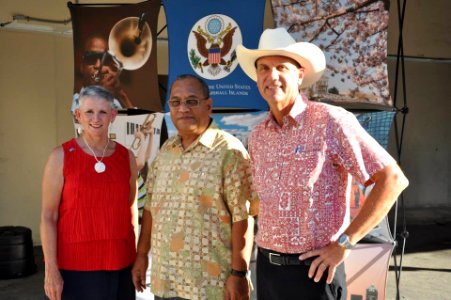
<point x="130" y="42"/>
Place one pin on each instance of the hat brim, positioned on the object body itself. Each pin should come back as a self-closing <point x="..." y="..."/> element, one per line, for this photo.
<point x="308" y="55"/>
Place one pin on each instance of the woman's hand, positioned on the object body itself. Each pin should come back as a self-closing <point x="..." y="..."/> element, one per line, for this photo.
<point x="53" y="283"/>
<point x="139" y="272"/>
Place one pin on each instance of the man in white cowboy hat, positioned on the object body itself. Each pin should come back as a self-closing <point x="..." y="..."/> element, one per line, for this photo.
<point x="302" y="155"/>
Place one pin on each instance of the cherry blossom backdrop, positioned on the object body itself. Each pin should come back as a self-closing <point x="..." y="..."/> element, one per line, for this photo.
<point x="353" y="35"/>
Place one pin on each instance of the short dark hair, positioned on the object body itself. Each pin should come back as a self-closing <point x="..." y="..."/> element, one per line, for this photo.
<point x="96" y="92"/>
<point x="205" y="89"/>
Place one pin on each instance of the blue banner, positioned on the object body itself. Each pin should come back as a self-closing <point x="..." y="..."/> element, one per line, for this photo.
<point x="202" y="37"/>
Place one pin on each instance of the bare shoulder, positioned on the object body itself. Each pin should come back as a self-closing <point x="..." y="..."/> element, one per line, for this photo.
<point x="57" y="155"/>
<point x="131" y="155"/>
<point x="53" y="177"/>
<point x="55" y="162"/>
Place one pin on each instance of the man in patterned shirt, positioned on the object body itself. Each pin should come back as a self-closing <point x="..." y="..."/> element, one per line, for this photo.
<point x="196" y="218"/>
<point x="302" y="155"/>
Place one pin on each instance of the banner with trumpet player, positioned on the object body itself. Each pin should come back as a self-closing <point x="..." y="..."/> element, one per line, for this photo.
<point x="115" y="47"/>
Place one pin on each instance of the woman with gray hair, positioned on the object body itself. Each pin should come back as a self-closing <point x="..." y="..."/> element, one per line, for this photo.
<point x="89" y="210"/>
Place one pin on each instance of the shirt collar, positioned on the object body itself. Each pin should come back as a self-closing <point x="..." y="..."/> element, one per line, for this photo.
<point x="207" y="138"/>
<point x="298" y="108"/>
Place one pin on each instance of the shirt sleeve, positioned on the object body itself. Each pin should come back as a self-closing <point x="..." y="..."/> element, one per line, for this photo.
<point x="359" y="153"/>
<point x="255" y="204"/>
<point x="150" y="183"/>
<point x="238" y="194"/>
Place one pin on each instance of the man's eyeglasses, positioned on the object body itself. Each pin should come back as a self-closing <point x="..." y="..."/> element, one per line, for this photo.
<point x="190" y="103"/>
<point x="106" y="59"/>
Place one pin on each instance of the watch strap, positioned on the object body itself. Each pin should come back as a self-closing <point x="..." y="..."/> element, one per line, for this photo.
<point x="237" y="273"/>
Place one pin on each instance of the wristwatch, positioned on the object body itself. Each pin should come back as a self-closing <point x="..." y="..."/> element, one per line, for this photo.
<point x="244" y="274"/>
<point x="343" y="241"/>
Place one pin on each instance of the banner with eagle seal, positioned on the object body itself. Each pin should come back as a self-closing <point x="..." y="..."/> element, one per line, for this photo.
<point x="203" y="42"/>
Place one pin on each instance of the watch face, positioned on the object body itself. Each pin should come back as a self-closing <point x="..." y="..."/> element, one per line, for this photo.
<point x="342" y="239"/>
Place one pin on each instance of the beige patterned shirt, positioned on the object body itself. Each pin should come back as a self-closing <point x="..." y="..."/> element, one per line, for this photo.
<point x="194" y="195"/>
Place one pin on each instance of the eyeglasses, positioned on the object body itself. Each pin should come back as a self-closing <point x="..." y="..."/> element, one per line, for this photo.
<point x="91" y="57"/>
<point x="190" y="103"/>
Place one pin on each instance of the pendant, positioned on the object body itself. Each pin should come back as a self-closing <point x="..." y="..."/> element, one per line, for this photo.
<point x="99" y="167"/>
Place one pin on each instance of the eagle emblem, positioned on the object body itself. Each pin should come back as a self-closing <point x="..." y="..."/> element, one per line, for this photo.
<point x="214" y="47"/>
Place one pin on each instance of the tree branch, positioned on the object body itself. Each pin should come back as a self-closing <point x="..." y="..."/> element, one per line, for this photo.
<point x="350" y="9"/>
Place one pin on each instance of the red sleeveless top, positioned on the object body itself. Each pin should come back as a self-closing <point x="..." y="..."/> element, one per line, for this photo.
<point x="95" y="230"/>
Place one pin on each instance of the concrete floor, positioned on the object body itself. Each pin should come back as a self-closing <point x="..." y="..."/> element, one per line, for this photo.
<point x="425" y="274"/>
<point x="426" y="264"/>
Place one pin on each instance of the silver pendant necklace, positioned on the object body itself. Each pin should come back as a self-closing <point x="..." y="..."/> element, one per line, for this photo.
<point x="99" y="166"/>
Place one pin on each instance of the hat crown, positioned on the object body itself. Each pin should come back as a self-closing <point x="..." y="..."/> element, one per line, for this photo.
<point x="278" y="42"/>
<point x="277" y="38"/>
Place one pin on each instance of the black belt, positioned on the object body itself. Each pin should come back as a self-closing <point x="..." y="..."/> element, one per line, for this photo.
<point x="284" y="259"/>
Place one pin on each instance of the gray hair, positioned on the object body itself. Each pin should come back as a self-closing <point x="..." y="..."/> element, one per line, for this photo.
<point x="205" y="89"/>
<point x="96" y="92"/>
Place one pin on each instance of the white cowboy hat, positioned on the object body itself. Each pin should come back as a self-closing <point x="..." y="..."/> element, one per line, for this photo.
<point x="278" y="42"/>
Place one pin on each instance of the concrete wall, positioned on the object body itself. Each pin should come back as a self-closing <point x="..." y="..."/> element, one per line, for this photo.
<point x="36" y="81"/>
<point x="35" y="85"/>
<point x="426" y="147"/>
<point x="425" y="155"/>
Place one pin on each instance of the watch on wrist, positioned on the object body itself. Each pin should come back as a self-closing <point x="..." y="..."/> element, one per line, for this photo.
<point x="243" y="274"/>
<point x="343" y="241"/>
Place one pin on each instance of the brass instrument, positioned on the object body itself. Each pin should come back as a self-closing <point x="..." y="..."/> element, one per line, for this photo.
<point x="146" y="125"/>
<point x="130" y="42"/>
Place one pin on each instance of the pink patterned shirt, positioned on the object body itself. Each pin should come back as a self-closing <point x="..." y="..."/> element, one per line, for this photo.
<point x="302" y="170"/>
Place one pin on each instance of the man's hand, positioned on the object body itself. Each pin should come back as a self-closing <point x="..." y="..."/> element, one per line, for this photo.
<point x="139" y="272"/>
<point x="53" y="283"/>
<point x="237" y="288"/>
<point x="328" y="258"/>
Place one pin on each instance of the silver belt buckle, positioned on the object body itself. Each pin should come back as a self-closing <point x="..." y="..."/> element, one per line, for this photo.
<point x="270" y="258"/>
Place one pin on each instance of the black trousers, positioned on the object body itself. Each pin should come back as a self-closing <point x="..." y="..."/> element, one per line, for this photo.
<point x="292" y="282"/>
<point x="98" y="285"/>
